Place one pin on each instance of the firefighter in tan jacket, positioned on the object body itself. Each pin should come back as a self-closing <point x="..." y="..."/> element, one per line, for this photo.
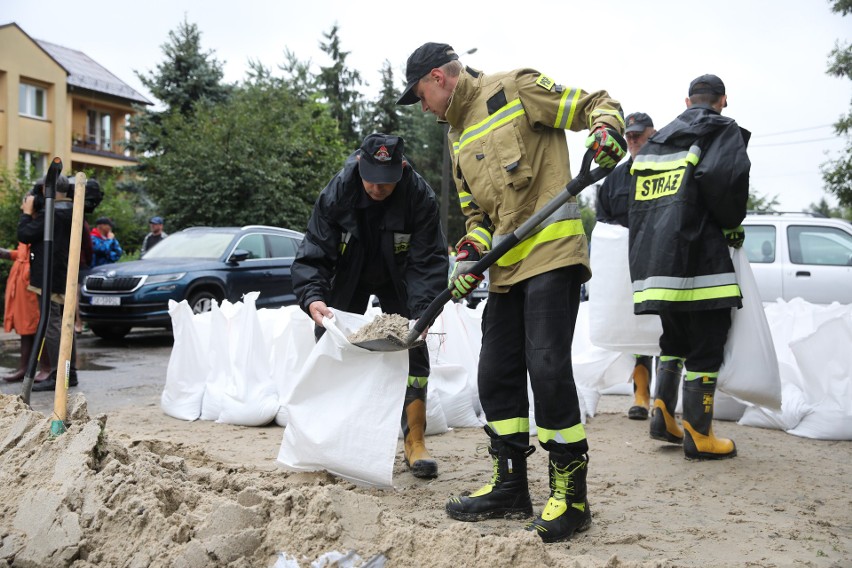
<point x="510" y="157"/>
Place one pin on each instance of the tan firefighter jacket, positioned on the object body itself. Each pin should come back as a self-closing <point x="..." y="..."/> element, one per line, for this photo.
<point x="510" y="157"/>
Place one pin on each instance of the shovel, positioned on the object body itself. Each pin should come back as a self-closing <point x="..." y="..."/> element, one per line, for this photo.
<point x="584" y="179"/>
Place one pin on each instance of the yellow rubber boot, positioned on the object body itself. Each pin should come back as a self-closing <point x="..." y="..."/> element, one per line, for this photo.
<point x="663" y="424"/>
<point x="417" y="457"/>
<point x="641" y="388"/>
<point x="699" y="442"/>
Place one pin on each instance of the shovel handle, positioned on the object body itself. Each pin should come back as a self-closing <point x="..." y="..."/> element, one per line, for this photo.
<point x="575" y="186"/>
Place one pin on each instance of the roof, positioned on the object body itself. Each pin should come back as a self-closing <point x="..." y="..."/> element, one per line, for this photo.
<point x="85" y="73"/>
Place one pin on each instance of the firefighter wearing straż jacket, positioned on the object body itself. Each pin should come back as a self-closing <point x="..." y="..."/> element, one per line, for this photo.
<point x="375" y="229"/>
<point x="690" y="193"/>
<point x="510" y="157"/>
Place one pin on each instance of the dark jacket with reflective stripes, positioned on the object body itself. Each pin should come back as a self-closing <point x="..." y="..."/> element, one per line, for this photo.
<point x="690" y="182"/>
<point x="330" y="259"/>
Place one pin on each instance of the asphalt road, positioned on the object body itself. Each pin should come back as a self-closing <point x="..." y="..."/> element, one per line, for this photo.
<point x="111" y="374"/>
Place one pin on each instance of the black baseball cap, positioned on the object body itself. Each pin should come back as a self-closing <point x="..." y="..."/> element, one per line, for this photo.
<point x="425" y="58"/>
<point x="381" y="158"/>
<point x="638" y="122"/>
<point x="707" y="84"/>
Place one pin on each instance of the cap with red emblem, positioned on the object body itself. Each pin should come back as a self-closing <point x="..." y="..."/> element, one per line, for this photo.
<point x="380" y="158"/>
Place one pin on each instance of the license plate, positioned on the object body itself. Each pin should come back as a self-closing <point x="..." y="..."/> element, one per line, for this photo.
<point x="106" y="300"/>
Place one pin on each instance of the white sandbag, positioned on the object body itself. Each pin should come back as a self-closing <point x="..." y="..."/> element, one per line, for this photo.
<point x="345" y="407"/>
<point x="250" y="396"/>
<point x="825" y="359"/>
<point x="750" y="368"/>
<point x="613" y="325"/>
<point x="450" y="384"/>
<point x="218" y="353"/>
<point x="188" y="364"/>
<point x="595" y="368"/>
<point x="726" y="407"/>
<point x="291" y="335"/>
<point x="793" y="409"/>
<point x="436" y="419"/>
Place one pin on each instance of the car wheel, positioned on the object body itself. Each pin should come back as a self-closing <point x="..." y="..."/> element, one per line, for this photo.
<point x="110" y="332"/>
<point x="202" y="301"/>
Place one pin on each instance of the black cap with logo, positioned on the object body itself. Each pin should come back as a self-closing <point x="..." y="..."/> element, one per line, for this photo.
<point x="380" y="158"/>
<point x="425" y="58"/>
<point x="637" y="122"/>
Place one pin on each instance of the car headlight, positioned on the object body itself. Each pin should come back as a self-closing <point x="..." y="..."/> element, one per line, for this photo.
<point x="160" y="278"/>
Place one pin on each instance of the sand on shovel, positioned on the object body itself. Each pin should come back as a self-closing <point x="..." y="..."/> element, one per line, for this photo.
<point x="385" y="326"/>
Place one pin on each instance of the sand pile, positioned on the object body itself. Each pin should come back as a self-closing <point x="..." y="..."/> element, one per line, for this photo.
<point x="392" y="326"/>
<point x="83" y="499"/>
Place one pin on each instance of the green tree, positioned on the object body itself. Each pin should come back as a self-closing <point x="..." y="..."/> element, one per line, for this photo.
<point x="339" y="87"/>
<point x="261" y="157"/>
<point x="761" y="204"/>
<point x="383" y="113"/>
<point x="187" y="76"/>
<point x="837" y="174"/>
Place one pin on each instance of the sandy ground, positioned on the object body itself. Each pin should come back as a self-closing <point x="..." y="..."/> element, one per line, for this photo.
<point x="137" y="488"/>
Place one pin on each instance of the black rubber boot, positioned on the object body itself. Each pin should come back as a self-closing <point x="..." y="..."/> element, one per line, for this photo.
<point x="567" y="511"/>
<point x="507" y="494"/>
<point x="699" y="443"/>
<point x="663" y="424"/>
<point x="641" y="388"/>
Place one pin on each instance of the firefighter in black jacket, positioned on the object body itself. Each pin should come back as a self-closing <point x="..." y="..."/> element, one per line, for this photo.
<point x="375" y="229"/>
<point x="690" y="193"/>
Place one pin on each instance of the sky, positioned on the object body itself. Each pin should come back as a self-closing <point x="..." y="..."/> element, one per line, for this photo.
<point x="772" y="56"/>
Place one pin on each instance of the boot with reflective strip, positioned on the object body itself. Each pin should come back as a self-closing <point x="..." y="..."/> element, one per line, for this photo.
<point x="641" y="388"/>
<point x="663" y="424"/>
<point x="699" y="442"/>
<point x="507" y="494"/>
<point x="416" y="455"/>
<point x="567" y="511"/>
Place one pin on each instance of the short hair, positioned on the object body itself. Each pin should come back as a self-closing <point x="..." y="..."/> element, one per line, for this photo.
<point x="705" y="98"/>
<point x="452" y="68"/>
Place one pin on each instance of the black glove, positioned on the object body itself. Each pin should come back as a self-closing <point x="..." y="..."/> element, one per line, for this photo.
<point x="735" y="237"/>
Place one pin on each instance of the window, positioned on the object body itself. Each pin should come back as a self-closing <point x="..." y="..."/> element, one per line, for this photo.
<point x="820" y="245"/>
<point x="282" y="247"/>
<point x="759" y="243"/>
<point x="99" y="129"/>
<point x="32" y="101"/>
<point x="254" y="245"/>
<point x="34" y="162"/>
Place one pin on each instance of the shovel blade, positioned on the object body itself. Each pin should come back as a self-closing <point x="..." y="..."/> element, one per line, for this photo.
<point x="387" y="344"/>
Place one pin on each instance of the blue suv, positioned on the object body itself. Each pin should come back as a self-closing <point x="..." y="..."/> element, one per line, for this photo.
<point x="200" y="265"/>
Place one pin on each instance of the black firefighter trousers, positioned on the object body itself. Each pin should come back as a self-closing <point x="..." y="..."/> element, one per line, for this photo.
<point x="530" y="329"/>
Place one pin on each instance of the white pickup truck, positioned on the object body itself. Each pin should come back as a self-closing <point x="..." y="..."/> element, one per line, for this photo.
<point x="799" y="255"/>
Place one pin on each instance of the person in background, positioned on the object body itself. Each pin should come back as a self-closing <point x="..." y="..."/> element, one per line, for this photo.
<point x="31" y="231"/>
<point x="22" y="310"/>
<point x="510" y="157"/>
<point x="613" y="206"/>
<point x="105" y="246"/>
<point x="375" y="229"/>
<point x="691" y="182"/>
<point x="155" y="235"/>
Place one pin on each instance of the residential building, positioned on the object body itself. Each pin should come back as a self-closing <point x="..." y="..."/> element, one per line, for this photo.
<point x="57" y="101"/>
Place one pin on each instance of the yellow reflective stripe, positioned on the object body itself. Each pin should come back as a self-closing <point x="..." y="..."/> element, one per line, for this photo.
<point x="511" y="426"/>
<point x="570" y="435"/>
<point x="560" y="115"/>
<point x="455" y="148"/>
<point x="418" y="382"/>
<point x="599" y="111"/>
<point x="667" y="295"/>
<point x="503" y="115"/>
<point x="482" y="236"/>
<point x="465" y="199"/>
<point x="558" y="230"/>
<point x="667" y="161"/>
<point x="694" y="375"/>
